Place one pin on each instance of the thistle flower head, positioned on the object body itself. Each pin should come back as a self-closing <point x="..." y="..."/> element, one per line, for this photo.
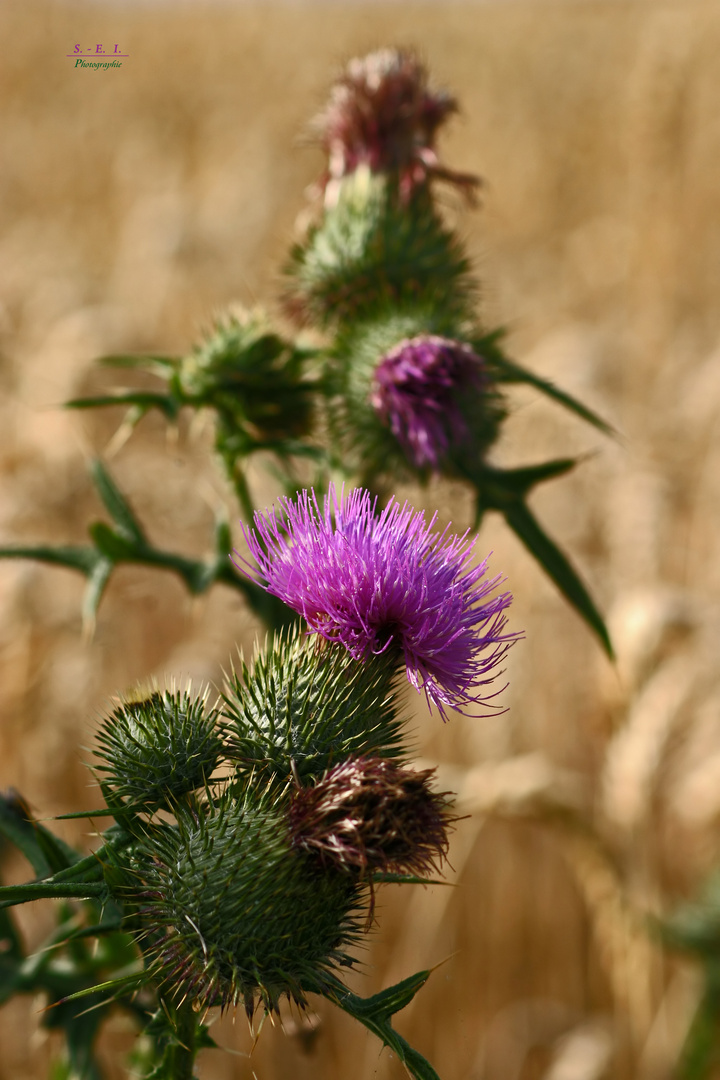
<point x="383" y="115"/>
<point x="368" y="814"/>
<point x="157" y="749"/>
<point x="231" y="913"/>
<point x="416" y="392"/>
<point x="386" y="582"/>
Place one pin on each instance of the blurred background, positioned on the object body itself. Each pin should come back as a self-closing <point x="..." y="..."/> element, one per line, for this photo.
<point x="134" y="204"/>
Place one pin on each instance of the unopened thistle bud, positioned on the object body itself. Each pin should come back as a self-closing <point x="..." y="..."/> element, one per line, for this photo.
<point x="231" y="913"/>
<point x="305" y="704"/>
<point x="250" y="374"/>
<point x="371" y="253"/>
<point x="157" y="749"/>
<point x="369" y="815"/>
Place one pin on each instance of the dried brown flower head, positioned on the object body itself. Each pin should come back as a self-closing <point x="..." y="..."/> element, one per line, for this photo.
<point x="369" y="814"/>
<point x="383" y="115"/>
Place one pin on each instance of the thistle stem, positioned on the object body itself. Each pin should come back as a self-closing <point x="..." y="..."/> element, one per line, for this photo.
<point x="179" y="1057"/>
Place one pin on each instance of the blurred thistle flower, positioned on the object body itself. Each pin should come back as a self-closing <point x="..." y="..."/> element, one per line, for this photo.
<point x="383" y="115"/>
<point x="417" y="387"/>
<point x="370" y="815"/>
<point x="386" y="583"/>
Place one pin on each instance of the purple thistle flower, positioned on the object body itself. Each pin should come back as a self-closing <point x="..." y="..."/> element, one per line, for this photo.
<point x="387" y="582"/>
<point x="383" y="115"/>
<point x="415" y="392"/>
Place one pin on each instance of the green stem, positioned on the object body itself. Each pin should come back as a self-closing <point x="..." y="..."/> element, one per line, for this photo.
<point x="242" y="490"/>
<point x="179" y="1057"/>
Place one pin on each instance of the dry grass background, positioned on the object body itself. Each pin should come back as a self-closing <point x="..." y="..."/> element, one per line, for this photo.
<point x="136" y="202"/>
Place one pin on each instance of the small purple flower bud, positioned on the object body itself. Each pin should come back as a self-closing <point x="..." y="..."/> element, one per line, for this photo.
<point x="383" y="115"/>
<point x="369" y="815"/>
<point x="383" y="582"/>
<point x="416" y="391"/>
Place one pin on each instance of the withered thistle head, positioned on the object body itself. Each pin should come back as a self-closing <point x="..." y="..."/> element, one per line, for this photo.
<point x="369" y="814"/>
<point x="382" y="114"/>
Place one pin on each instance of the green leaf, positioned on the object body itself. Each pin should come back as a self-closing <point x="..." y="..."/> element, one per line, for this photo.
<point x="385" y="1004"/>
<point x="95" y="588"/>
<point x="163" y="366"/>
<point x="112" y="545"/>
<point x="521" y="481"/>
<point x="405" y="879"/>
<point x="18" y="829"/>
<point x="50" y="890"/>
<point x="133" y="979"/>
<point x="375" y="1012"/>
<point x="116" y="504"/>
<point x="142" y="399"/>
<point x="510" y="372"/>
<point x="557" y="566"/>
<point x="83" y="559"/>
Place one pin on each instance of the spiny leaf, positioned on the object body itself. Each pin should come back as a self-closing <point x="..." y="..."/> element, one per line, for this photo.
<point x="116" y="504"/>
<point x="375" y="1012"/>
<point x="510" y="372"/>
<point x="144" y="400"/>
<point x="84" y="559"/>
<point x="50" y="890"/>
<point x="97" y="583"/>
<point x="558" y="567"/>
<point x="158" y="365"/>
<point x="45" y="852"/>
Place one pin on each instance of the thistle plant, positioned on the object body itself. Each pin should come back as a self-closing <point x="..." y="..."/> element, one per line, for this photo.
<point x="251" y="832"/>
<point x="250" y="835"/>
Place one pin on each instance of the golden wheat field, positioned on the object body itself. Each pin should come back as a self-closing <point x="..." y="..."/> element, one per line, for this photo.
<point x="137" y="202"/>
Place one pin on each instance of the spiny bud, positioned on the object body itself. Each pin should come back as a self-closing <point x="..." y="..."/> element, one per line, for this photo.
<point x="368" y="814"/>
<point x="417" y="391"/>
<point x="251" y="374"/>
<point x="370" y="254"/>
<point x="233" y="914"/>
<point x="383" y="114"/>
<point x="157" y="749"/>
<point x="305" y="704"/>
<point x="412" y="396"/>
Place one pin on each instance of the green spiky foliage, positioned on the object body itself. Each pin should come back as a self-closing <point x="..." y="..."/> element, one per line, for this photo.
<point x="304" y="705"/>
<point x="362" y="440"/>
<point x="372" y="251"/>
<point x="252" y="376"/>
<point x="230" y="912"/>
<point x="157" y="749"/>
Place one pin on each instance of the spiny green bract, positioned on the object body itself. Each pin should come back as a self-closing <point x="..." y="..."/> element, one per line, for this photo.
<point x="157" y="749"/>
<point x="250" y="373"/>
<point x="366" y="443"/>
<point x="372" y="251"/>
<point x="230" y="912"/>
<point x="304" y="705"/>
